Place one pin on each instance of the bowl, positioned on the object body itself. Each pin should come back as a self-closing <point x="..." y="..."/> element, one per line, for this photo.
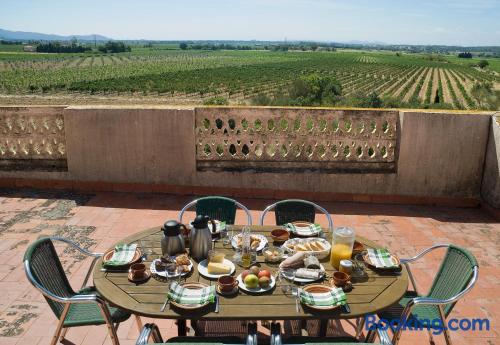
<point x="290" y="246"/>
<point x="280" y="235"/>
<point x="340" y="278"/>
<point x="274" y="254"/>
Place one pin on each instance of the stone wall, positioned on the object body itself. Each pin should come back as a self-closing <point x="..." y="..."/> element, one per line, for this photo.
<point x="490" y="189"/>
<point x="428" y="154"/>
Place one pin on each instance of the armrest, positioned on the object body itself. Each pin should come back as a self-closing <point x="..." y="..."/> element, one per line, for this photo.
<point x="421" y="254"/>
<point x="76" y="246"/>
<point x="407" y="261"/>
<point x="149" y="330"/>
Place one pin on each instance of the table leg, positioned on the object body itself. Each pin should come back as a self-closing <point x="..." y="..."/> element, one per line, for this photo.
<point x="323" y="326"/>
<point x="181" y="328"/>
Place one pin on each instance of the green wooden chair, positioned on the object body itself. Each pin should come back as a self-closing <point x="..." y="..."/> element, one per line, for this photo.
<point x="277" y="338"/>
<point x="456" y="277"/>
<point x="291" y="210"/>
<point x="151" y="331"/>
<point x="217" y="207"/>
<point x="83" y="308"/>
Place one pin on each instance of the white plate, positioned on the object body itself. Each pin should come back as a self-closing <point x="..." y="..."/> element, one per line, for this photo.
<point x="242" y="286"/>
<point x="304" y="280"/>
<point x="319" y="254"/>
<point x="165" y="274"/>
<point x="203" y="269"/>
<point x="218" y="227"/>
<point x="262" y="244"/>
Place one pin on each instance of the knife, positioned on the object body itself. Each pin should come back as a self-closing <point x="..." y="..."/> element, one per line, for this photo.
<point x="347" y="309"/>
<point x="164" y="304"/>
<point x="216" y="303"/>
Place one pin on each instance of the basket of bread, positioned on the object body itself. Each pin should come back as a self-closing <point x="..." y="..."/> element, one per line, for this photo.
<point x="319" y="247"/>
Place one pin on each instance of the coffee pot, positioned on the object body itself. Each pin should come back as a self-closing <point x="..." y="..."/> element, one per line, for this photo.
<point x="200" y="237"/>
<point x="172" y="242"/>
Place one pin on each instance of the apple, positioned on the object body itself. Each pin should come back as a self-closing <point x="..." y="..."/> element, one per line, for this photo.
<point x="264" y="282"/>
<point x="251" y="281"/>
<point x="244" y="274"/>
<point x="264" y="273"/>
<point x="255" y="270"/>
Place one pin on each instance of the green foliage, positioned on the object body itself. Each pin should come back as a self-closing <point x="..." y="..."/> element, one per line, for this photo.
<point x="114" y="47"/>
<point x="483" y="63"/>
<point x="485" y="96"/>
<point x="58" y="47"/>
<point x="183" y="46"/>
<point x="218" y="100"/>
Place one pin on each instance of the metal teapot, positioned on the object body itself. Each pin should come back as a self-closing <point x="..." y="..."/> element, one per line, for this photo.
<point x="200" y="237"/>
<point x="172" y="242"/>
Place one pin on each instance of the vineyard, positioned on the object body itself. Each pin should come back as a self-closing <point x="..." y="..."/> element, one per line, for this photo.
<point x="178" y="76"/>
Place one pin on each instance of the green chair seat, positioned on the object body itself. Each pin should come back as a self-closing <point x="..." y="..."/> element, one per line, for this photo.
<point x="89" y="314"/>
<point x="419" y="312"/>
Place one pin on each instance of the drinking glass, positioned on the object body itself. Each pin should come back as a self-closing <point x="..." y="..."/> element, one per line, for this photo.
<point x="145" y="249"/>
<point x="284" y="276"/>
<point x="227" y="235"/>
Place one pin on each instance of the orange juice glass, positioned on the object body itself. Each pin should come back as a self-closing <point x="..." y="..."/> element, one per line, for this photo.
<point x="342" y="243"/>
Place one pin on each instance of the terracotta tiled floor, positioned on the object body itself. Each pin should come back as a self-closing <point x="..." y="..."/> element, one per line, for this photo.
<point x="99" y="220"/>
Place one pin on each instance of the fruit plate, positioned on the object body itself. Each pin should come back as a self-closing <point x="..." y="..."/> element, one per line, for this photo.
<point x="319" y="288"/>
<point x="304" y="280"/>
<point x="218" y="227"/>
<point x="203" y="269"/>
<point x="257" y="290"/>
<point x="109" y="254"/>
<point x="262" y="241"/>
<point x="165" y="274"/>
<point x="193" y="286"/>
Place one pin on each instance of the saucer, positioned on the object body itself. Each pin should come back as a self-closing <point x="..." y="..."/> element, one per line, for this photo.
<point x="142" y="279"/>
<point x="228" y="293"/>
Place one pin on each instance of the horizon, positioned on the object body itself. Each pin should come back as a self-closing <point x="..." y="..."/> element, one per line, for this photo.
<point x="427" y="23"/>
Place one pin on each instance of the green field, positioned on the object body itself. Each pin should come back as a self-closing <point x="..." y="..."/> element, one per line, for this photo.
<point x="193" y="76"/>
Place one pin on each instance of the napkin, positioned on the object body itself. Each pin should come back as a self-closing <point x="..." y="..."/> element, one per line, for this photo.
<point x="311" y="229"/>
<point x="381" y="258"/>
<point x="334" y="297"/>
<point x="122" y="255"/>
<point x="308" y="273"/>
<point x="182" y="295"/>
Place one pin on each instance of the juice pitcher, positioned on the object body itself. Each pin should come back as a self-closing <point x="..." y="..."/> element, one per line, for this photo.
<point x="342" y="244"/>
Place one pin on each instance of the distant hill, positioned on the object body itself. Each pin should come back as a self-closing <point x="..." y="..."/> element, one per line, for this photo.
<point x="36" y="36"/>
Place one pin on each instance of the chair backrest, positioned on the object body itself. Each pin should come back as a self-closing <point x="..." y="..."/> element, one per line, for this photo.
<point x="454" y="275"/>
<point x="217" y="207"/>
<point x="44" y="268"/>
<point x="288" y="211"/>
<point x="292" y="210"/>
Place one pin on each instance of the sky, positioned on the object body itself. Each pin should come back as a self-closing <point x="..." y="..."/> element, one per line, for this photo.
<point x="447" y="22"/>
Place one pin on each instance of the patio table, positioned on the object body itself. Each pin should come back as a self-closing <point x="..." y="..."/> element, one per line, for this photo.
<point x="379" y="291"/>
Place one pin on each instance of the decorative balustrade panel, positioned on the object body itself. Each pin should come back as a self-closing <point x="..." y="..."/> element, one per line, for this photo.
<point x="31" y="134"/>
<point x="296" y="138"/>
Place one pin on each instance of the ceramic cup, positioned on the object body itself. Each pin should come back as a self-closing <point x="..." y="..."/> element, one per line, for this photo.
<point x="340" y="278"/>
<point x="138" y="270"/>
<point x="227" y="283"/>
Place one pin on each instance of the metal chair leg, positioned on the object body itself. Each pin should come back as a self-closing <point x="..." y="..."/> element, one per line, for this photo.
<point x="109" y="323"/>
<point x="447" y="337"/>
<point x="359" y="327"/>
<point x="138" y="321"/>
<point x="63" y="334"/>
<point x="59" y="327"/>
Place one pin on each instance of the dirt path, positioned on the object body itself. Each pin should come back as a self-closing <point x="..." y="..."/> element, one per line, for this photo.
<point x="446" y="92"/>
<point x="414" y="86"/>
<point x="458" y="93"/>
<point x="423" y="90"/>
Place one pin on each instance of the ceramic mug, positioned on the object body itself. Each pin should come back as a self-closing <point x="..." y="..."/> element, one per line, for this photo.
<point x="138" y="270"/>
<point x="340" y="278"/>
<point x="227" y="283"/>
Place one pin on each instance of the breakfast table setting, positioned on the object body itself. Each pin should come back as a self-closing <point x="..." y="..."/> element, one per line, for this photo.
<point x="210" y="270"/>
